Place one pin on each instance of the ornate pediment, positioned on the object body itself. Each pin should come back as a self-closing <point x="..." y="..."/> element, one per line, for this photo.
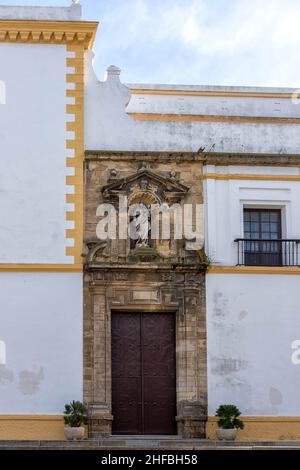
<point x="158" y="188"/>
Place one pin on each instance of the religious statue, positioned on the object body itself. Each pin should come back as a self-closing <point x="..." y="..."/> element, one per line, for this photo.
<point x="142" y="222"/>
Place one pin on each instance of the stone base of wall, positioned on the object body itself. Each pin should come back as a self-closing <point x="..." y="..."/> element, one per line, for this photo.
<point x="100" y="422"/>
<point x="262" y="428"/>
<point x="190" y="427"/>
<point x="100" y="428"/>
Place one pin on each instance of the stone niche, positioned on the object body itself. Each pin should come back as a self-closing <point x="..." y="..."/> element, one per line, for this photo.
<point x="163" y="276"/>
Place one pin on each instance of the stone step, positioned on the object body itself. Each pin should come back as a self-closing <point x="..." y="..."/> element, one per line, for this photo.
<point x="148" y="443"/>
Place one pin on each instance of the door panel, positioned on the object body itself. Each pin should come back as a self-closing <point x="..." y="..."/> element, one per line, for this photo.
<point x="126" y="373"/>
<point x="143" y="373"/>
<point x="159" y="374"/>
<point x="126" y="404"/>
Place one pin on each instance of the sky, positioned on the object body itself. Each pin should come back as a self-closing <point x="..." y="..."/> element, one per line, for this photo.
<point x="195" y="42"/>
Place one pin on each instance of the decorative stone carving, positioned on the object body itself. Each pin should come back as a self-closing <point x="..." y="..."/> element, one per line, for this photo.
<point x="113" y="175"/>
<point x="163" y="189"/>
<point x="144" y="184"/>
<point x="159" y="278"/>
<point x="121" y="276"/>
<point x="174" y="175"/>
<point x="167" y="277"/>
<point x="143" y="233"/>
<point x="95" y="248"/>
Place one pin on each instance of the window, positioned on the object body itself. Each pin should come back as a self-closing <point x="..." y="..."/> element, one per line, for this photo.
<point x="263" y="228"/>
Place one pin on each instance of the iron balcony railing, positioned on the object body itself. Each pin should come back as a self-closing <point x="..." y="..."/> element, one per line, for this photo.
<point x="258" y="252"/>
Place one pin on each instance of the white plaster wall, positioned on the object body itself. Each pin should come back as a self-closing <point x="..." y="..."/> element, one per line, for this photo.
<point x="41" y="13"/>
<point x="33" y="154"/>
<point x="251" y="324"/>
<point x="212" y="106"/>
<point x="41" y="326"/>
<point x="225" y="200"/>
<point x="108" y="126"/>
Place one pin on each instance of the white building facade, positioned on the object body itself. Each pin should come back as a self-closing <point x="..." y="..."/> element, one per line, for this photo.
<point x="41" y="146"/>
<point x="52" y="109"/>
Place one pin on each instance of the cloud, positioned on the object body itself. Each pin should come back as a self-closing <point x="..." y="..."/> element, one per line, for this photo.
<point x="230" y="42"/>
<point x="241" y="42"/>
<point x="248" y="25"/>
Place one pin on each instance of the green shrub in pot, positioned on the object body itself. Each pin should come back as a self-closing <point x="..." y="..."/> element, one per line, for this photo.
<point x="75" y="418"/>
<point x="228" y="422"/>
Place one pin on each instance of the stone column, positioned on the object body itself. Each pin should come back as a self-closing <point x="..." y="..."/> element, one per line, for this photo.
<point x="191" y="367"/>
<point x="100" y="408"/>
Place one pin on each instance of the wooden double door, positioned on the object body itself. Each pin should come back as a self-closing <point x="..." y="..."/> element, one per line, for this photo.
<point x="143" y="373"/>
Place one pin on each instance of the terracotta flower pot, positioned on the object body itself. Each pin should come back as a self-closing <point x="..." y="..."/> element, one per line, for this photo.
<point x="74" y="434"/>
<point x="226" y="434"/>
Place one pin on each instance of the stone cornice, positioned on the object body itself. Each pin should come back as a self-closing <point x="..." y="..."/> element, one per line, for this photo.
<point x="148" y="267"/>
<point x="208" y="158"/>
<point x="48" y="32"/>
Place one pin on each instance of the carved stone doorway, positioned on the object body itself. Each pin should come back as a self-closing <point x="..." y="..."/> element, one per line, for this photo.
<point x="156" y="275"/>
<point x="155" y="291"/>
<point x="143" y="373"/>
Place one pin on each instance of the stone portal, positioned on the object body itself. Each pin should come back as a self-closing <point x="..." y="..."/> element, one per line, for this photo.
<point x="159" y="290"/>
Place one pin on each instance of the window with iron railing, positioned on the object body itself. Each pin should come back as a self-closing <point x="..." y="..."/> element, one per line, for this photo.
<point x="263" y="244"/>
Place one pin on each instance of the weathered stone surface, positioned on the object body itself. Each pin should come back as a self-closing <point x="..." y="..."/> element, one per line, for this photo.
<point x="116" y="280"/>
<point x="206" y="158"/>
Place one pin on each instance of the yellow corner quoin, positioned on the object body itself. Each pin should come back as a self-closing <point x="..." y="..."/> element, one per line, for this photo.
<point x="77" y="146"/>
<point x="255" y="177"/>
<point x="253" y="270"/>
<point x="261" y="428"/>
<point x="212" y="93"/>
<point x="214" y="118"/>
<point x="77" y="36"/>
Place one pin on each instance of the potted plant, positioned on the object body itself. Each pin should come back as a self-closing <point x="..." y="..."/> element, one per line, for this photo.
<point x="228" y="422"/>
<point x="75" y="418"/>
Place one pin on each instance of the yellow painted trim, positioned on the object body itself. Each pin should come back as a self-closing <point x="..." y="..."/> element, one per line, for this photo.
<point x="262" y="428"/>
<point x="41" y="268"/>
<point x="267" y="419"/>
<point x="72" y="126"/>
<point x="234" y="94"/>
<point x="209" y="118"/>
<point x="71" y="251"/>
<point x="51" y="427"/>
<point x="72" y="144"/>
<point x="31" y="417"/>
<point x="76" y="126"/>
<point x="73" y="93"/>
<point x="220" y="176"/>
<point x="70" y="215"/>
<point x="73" y="198"/>
<point x="253" y="270"/>
<point x="73" y="180"/>
<point x="74" y="162"/>
<point x="32" y="427"/>
<point x="80" y="33"/>
<point x="70" y="233"/>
